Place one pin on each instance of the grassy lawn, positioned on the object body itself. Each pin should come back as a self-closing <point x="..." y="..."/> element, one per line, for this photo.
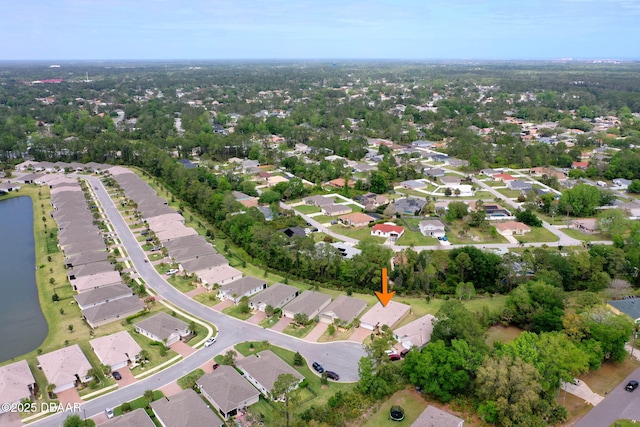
<point x="415" y="238"/>
<point x="186" y="381"/>
<point x="510" y="194"/>
<point x="409" y="399"/>
<point x="415" y="193"/>
<point x="181" y="283"/>
<point x="472" y="236"/>
<point x="307" y="209"/>
<point x="624" y="423"/>
<point x="360" y="233"/>
<point x="609" y="375"/>
<point x="269" y="321"/>
<point x="577" y="234"/>
<point x="493" y="183"/>
<point x="234" y="311"/>
<point x="576" y="407"/>
<point x="323" y="219"/>
<point x="537" y="234"/>
<point x="298" y="331"/>
<point x="339" y="336"/>
<point x="503" y="334"/>
<point x="140" y="402"/>
<point x="207" y="298"/>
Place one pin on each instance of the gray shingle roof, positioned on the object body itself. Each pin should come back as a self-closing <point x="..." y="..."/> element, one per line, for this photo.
<point x="227" y="388"/>
<point x="185" y="409"/>
<point x="265" y="367"/>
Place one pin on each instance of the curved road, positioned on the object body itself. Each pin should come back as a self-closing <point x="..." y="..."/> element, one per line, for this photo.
<point x="341" y="357"/>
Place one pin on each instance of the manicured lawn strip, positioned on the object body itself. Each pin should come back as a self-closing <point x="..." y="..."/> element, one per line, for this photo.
<point x="416" y="239"/>
<point x="195" y="375"/>
<point x="537" y="234"/>
<point x="299" y="331"/>
<point x="323" y="219"/>
<point x="360" y="233"/>
<point x="307" y="209"/>
<point x="269" y="321"/>
<point x="481" y="237"/>
<point x="624" y="423"/>
<point x="140" y="402"/>
<point x="510" y="194"/>
<point x="181" y="283"/>
<point x="207" y="298"/>
<point x="339" y="336"/>
<point x="577" y="234"/>
<point x="234" y="311"/>
<point x="409" y="399"/>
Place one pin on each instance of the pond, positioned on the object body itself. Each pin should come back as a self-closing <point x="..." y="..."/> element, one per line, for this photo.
<point x="22" y="324"/>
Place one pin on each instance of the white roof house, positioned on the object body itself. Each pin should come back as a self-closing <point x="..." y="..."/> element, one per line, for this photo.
<point x="163" y="327"/>
<point x="276" y="295"/>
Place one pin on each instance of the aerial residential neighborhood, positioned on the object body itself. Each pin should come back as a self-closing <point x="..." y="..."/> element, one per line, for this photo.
<point x="209" y="249"/>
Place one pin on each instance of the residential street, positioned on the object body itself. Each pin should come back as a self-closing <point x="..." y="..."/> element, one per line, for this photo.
<point x="341" y="357"/>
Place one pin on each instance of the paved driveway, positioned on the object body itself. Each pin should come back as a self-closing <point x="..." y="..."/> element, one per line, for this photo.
<point x="316" y="332"/>
<point x="69" y="396"/>
<point x="282" y="323"/>
<point x="127" y="377"/>
<point x="359" y="335"/>
<point x="182" y="348"/>
<point x="258" y="317"/>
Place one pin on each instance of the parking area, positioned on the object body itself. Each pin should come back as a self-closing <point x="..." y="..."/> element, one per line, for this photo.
<point x="127" y="377"/>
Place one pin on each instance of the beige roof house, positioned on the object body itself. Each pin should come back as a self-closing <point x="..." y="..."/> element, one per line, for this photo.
<point x="16" y="382"/>
<point x="356" y="219"/>
<point x="415" y="334"/>
<point x="262" y="370"/>
<point x="135" y="418"/>
<point x="276" y="295"/>
<point x="334" y="210"/>
<point x="95" y="281"/>
<point x="512" y="228"/>
<point x="178" y="231"/>
<point x="220" y="274"/>
<point x="389" y="315"/>
<point x="310" y="303"/>
<point x="343" y="308"/>
<point x="116" y="350"/>
<point x="102" y="295"/>
<point x="228" y="391"/>
<point x="185" y="409"/>
<point x="163" y="327"/>
<point x="65" y="367"/>
<point x="434" y="417"/>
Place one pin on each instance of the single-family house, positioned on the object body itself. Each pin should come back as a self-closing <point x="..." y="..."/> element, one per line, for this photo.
<point x="263" y="369"/>
<point x="112" y="311"/>
<point x="86" y="258"/>
<point x="631" y="208"/>
<point x="163" y="328"/>
<point x="65" y="368"/>
<point x="95" y="281"/>
<point x="434" y="417"/>
<point x="388" y="230"/>
<point x="489" y="172"/>
<point x="116" y="350"/>
<point x="340" y="183"/>
<point x="220" y="274"/>
<point x="227" y="391"/>
<point x="343" y="309"/>
<point x="102" y="295"/>
<point x="310" y="303"/>
<point x="379" y="315"/>
<point x="347" y="250"/>
<point x="415" y="334"/>
<point x="409" y="206"/>
<point x="413" y="184"/>
<point x="276" y="295"/>
<point x="629" y="305"/>
<point x="202" y="262"/>
<point x="519" y="185"/>
<point x="185" y="409"/>
<point x="335" y="210"/>
<point x="586" y="225"/>
<point x="136" y="418"/>
<point x="512" y="228"/>
<point x="450" y="181"/>
<point x="432" y="227"/>
<point x="580" y="165"/>
<point x="318" y="200"/>
<point x="243" y="287"/>
<point x="494" y="211"/>
<point x="504" y="177"/>
<point x="16" y="384"/>
<point x="356" y="219"/>
<point x="434" y="172"/>
<point x="294" y="231"/>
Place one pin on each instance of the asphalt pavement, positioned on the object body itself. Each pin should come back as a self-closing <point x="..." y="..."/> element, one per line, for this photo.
<point x="341" y="357"/>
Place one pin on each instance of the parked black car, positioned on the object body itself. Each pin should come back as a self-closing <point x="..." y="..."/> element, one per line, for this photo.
<point x="318" y="368"/>
<point x="332" y="375"/>
<point x="631" y="385"/>
<point x="116" y="375"/>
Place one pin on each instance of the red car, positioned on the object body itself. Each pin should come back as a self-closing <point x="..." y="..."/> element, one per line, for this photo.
<point x="394" y="356"/>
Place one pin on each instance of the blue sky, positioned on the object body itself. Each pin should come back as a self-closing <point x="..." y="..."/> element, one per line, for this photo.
<point x="310" y="29"/>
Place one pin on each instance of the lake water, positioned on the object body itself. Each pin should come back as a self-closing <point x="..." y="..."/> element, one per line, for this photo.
<point x="22" y="325"/>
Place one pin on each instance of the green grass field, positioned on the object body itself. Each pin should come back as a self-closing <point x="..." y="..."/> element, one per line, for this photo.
<point x="409" y="399"/>
<point x="537" y="234"/>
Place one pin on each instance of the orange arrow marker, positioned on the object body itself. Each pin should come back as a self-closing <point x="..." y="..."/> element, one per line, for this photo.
<point x="385" y="296"/>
